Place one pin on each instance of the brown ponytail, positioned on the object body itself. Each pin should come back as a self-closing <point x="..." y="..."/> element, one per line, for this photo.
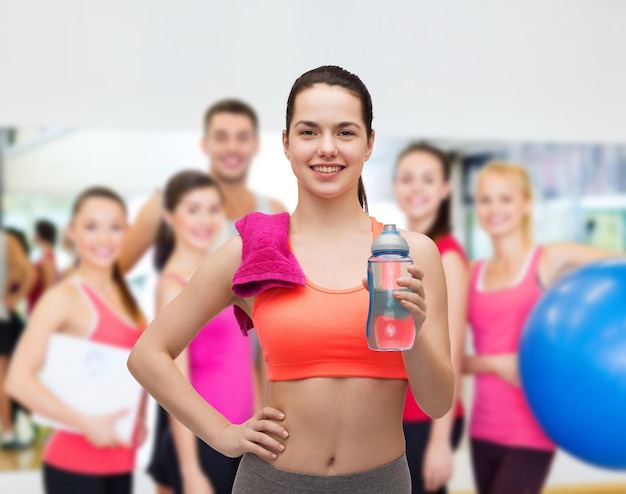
<point x="130" y="304"/>
<point x="362" y="195"/>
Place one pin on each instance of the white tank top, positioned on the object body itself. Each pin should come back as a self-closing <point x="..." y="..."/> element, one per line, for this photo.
<point x="263" y="205"/>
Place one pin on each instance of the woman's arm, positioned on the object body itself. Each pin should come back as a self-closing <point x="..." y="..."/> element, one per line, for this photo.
<point x="152" y="361"/>
<point x="194" y="479"/>
<point x="504" y="365"/>
<point x="438" y="462"/>
<point x="142" y="427"/>
<point x="428" y="363"/>
<point x="142" y="233"/>
<point x="49" y="316"/>
<point x="558" y="259"/>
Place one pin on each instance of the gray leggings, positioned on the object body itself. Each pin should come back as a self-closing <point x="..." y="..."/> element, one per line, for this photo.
<point x="256" y="476"/>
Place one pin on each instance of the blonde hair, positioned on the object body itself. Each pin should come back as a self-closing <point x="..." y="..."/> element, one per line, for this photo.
<point x="504" y="169"/>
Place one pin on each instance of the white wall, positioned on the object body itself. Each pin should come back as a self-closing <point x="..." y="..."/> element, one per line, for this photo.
<point x="129" y="161"/>
<point x="133" y="162"/>
<point x="521" y="69"/>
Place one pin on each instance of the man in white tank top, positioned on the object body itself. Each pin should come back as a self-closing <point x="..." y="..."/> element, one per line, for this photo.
<point x="230" y="140"/>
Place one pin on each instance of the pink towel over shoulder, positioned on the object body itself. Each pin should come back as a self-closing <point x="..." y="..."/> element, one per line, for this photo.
<point x="266" y="259"/>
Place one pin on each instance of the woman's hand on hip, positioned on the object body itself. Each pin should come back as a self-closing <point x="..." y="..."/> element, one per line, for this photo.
<point x="257" y="435"/>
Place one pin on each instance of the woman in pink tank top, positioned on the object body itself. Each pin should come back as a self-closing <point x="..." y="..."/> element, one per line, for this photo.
<point x="218" y="362"/>
<point x="510" y="452"/>
<point x="422" y="190"/>
<point x="95" y="304"/>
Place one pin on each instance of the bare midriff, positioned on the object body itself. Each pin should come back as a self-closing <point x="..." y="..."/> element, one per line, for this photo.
<point x="339" y="425"/>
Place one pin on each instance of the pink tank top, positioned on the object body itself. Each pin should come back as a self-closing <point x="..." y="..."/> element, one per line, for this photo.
<point x="73" y="452"/>
<point x="500" y="412"/>
<point x="220" y="365"/>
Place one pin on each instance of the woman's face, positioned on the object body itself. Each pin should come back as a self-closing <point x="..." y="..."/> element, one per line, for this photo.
<point x="328" y="142"/>
<point x="420" y="185"/>
<point x="197" y="218"/>
<point x="501" y="205"/>
<point x="98" y="231"/>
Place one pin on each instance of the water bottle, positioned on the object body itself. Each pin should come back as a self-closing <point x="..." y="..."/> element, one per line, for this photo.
<point x="390" y="327"/>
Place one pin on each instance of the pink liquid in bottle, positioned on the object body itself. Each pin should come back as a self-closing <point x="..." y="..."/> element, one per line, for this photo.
<point x="394" y="334"/>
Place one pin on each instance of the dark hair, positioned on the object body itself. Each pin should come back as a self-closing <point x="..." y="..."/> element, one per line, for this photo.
<point x="95" y="192"/>
<point x="231" y="105"/>
<point x="443" y="224"/>
<point x="46" y="231"/>
<point x="177" y="186"/>
<point x="332" y="75"/>
<point x="20" y="237"/>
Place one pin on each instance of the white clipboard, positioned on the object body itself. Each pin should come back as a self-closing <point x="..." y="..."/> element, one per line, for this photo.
<point x="93" y="379"/>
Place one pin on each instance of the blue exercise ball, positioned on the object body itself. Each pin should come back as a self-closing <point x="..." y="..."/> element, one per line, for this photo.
<point x="572" y="361"/>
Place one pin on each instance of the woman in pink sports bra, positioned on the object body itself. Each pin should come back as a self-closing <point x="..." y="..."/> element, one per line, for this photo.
<point x="422" y="190"/>
<point x="218" y="362"/>
<point x="333" y="423"/>
<point x="95" y="304"/>
<point x="510" y="452"/>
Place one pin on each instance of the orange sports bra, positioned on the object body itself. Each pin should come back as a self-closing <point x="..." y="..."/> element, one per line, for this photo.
<point x="311" y="331"/>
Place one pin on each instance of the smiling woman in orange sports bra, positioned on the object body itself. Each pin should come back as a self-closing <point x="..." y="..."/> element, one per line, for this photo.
<point x="333" y="422"/>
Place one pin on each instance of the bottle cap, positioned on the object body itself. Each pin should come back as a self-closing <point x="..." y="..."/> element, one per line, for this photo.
<point x="390" y="240"/>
